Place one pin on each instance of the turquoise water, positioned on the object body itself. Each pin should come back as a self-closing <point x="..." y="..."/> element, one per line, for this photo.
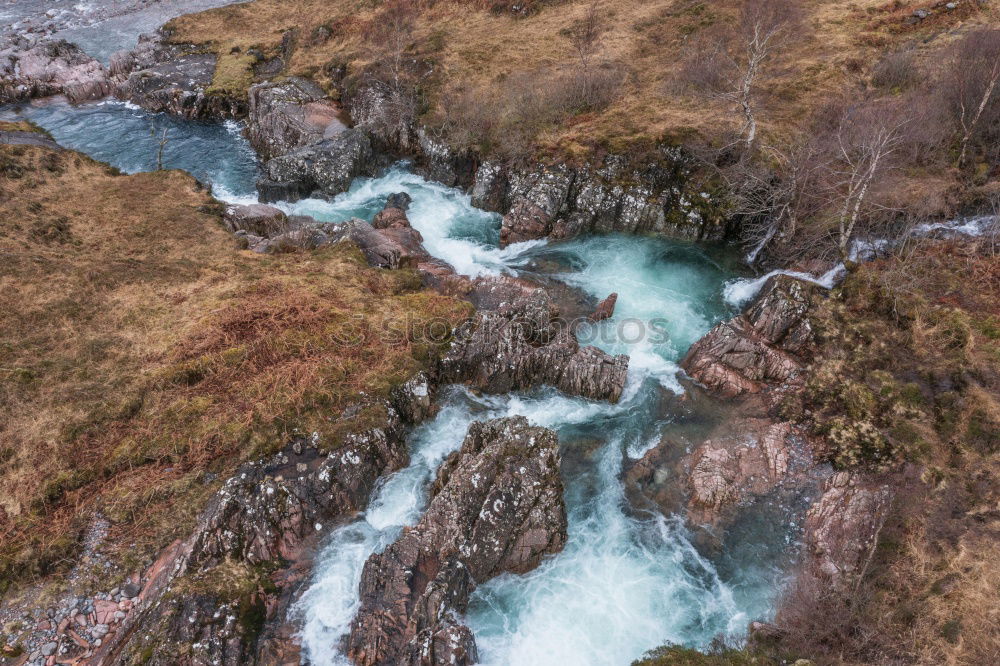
<point x="628" y="580"/>
<point x="128" y="137"/>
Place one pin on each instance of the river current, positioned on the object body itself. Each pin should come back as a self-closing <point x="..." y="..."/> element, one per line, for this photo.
<point x="629" y="579"/>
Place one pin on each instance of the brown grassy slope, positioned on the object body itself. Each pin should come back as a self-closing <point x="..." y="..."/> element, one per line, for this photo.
<point x="139" y="349"/>
<point x="911" y="352"/>
<point x="836" y="48"/>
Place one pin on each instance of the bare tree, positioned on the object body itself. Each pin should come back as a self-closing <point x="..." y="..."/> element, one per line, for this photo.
<point x="586" y="34"/>
<point x="867" y="139"/>
<point x="730" y="64"/>
<point x="161" y="144"/>
<point x="973" y="83"/>
<point x="393" y="72"/>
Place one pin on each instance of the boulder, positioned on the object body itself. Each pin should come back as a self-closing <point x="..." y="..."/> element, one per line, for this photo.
<point x="400" y="200"/>
<point x="764" y="345"/>
<point x="30" y="69"/>
<point x="256" y="219"/>
<point x="497" y="506"/>
<point x="521" y="345"/>
<point x="728" y="472"/>
<point x="289" y="114"/>
<point x="399" y="247"/>
<point x="390" y="217"/>
<point x="323" y="169"/>
<point x="532" y="213"/>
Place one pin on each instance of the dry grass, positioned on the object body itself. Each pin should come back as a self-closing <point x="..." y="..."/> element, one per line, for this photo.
<point x="472" y="47"/>
<point x="916" y="345"/>
<point x="139" y="350"/>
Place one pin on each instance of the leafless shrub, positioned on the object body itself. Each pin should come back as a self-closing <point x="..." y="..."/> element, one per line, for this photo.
<point x="730" y="63"/>
<point x="393" y="71"/>
<point x="506" y="119"/>
<point x="867" y="141"/>
<point x="970" y="85"/>
<point x="896" y="72"/>
<point x="586" y="34"/>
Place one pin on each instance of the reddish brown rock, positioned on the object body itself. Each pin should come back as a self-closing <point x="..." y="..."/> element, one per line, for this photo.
<point x="605" y="309"/>
<point x="842" y="527"/>
<point x="764" y="345"/>
<point x="725" y="473"/>
<point x="497" y="507"/>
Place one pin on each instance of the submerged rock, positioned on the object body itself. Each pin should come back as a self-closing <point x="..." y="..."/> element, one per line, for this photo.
<point x="497" y="507"/>
<point x="30" y="69"/>
<point x="764" y="345"/>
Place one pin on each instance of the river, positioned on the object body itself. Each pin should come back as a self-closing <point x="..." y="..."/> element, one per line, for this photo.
<point x="628" y="579"/>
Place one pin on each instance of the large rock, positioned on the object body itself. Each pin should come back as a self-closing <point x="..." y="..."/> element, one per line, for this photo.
<point x="30" y="69"/>
<point x="289" y="114"/>
<point x="497" y="507"/>
<point x="842" y="528"/>
<point x="521" y="345"/>
<point x="764" y="345"/>
<point x="257" y="219"/>
<point x="323" y="169"/>
<point x="171" y="78"/>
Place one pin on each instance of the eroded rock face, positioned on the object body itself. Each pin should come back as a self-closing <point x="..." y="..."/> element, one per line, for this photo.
<point x="562" y="202"/>
<point x="323" y="169"/>
<point x="762" y="346"/>
<point x="170" y="78"/>
<point x="30" y="69"/>
<point x="497" y="507"/>
<point x="519" y="346"/>
<point x="289" y="114"/>
<point x="842" y="527"/>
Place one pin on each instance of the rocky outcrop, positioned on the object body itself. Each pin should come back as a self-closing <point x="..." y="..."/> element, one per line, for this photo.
<point x="206" y="599"/>
<point x="289" y="114"/>
<point x="562" y="202"/>
<point x="173" y="79"/>
<point x="521" y="345"/>
<point x="323" y="169"/>
<point x="30" y="69"/>
<point x="842" y="528"/>
<point x="741" y="460"/>
<point x="497" y="507"/>
<point x="764" y="345"/>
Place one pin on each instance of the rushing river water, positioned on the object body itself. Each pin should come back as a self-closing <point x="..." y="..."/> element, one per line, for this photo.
<point x="628" y="580"/>
<point x="99" y="27"/>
